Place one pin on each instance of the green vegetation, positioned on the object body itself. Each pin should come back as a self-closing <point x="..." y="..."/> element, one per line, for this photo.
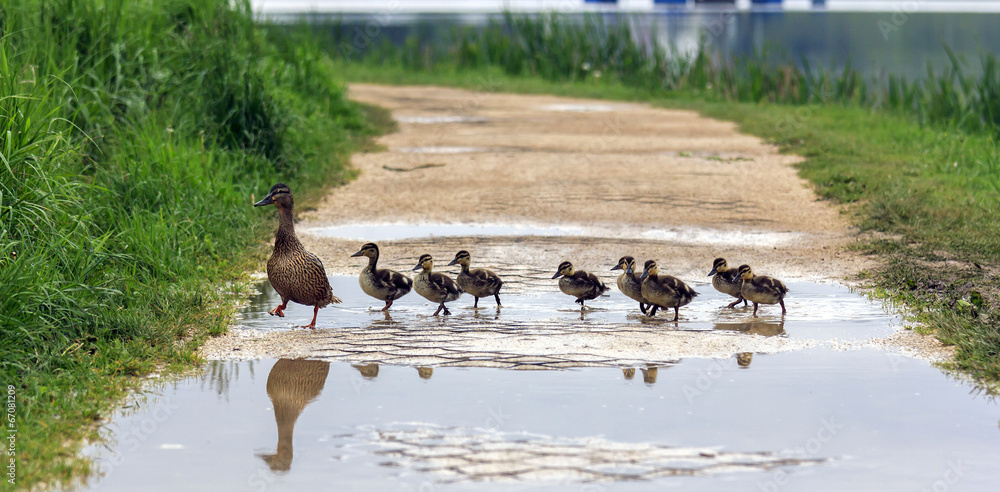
<point x="132" y="137"/>
<point x="917" y="161"/>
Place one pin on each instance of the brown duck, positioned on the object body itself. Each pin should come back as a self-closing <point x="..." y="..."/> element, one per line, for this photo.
<point x="582" y="285"/>
<point x="478" y="282"/>
<point x="435" y="287"/>
<point x="664" y="291"/>
<point x="296" y="274"/>
<point x="382" y="284"/>
<point x="628" y="283"/>
<point x="761" y="289"/>
<point x="727" y="280"/>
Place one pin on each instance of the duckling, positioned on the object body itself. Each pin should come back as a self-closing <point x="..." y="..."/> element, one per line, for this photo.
<point x="435" y="287"/>
<point x="296" y="274"/>
<point x="727" y="281"/>
<point x="628" y="283"/>
<point x="385" y="285"/>
<point x="478" y="282"/>
<point x="664" y="291"/>
<point x="761" y="289"/>
<point x="578" y="283"/>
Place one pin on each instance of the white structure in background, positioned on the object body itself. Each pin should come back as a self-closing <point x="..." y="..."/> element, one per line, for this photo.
<point x="495" y="6"/>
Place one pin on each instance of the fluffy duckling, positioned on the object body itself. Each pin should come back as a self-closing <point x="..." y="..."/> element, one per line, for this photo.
<point x="382" y="284"/>
<point x="664" y="291"/>
<point x="478" y="282"/>
<point x="727" y="281"/>
<point x="296" y="274"/>
<point x="628" y="283"/>
<point x="578" y="283"/>
<point x="435" y="287"/>
<point x="761" y="289"/>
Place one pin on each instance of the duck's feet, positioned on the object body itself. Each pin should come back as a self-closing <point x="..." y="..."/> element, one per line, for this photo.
<point x="387" y="304"/>
<point x="755" y="309"/>
<point x="497" y="297"/>
<point x="737" y="301"/>
<point x="475" y="305"/>
<point x="642" y="307"/>
<point x="279" y="310"/>
<point x="312" y="325"/>
<point x="782" y="302"/>
<point x="677" y="313"/>
<point x="447" y="312"/>
<point x="652" y="311"/>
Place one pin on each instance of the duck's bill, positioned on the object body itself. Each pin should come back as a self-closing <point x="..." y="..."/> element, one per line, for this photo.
<point x="453" y="262"/>
<point x="713" y="272"/>
<point x="267" y="200"/>
<point x="359" y="253"/>
<point x="616" y="267"/>
<point x="557" y="275"/>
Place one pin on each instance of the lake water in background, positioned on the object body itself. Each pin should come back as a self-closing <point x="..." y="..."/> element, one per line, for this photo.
<point x="902" y="39"/>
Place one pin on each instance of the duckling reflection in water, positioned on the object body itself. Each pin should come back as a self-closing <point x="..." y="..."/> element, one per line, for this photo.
<point x="727" y="280"/>
<point x="628" y="372"/>
<point x="368" y="371"/>
<point x="649" y="374"/>
<point x="743" y="359"/>
<point x="756" y="327"/>
<point x="292" y="384"/>
<point x="761" y="289"/>
<point x="579" y="284"/>
<point x="425" y="372"/>
<point x="296" y="274"/>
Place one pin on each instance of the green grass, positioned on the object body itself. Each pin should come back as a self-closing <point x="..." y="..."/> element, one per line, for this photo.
<point x="925" y="194"/>
<point x="132" y="137"/>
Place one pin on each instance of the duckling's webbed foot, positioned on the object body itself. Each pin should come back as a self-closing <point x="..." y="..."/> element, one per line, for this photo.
<point x="677" y="313"/>
<point x="782" y="302"/>
<point x="387" y="304"/>
<point x="446" y="311"/>
<point x="652" y="312"/>
<point x="475" y="305"/>
<point x="737" y="301"/>
<point x="642" y="307"/>
<point x="497" y="297"/>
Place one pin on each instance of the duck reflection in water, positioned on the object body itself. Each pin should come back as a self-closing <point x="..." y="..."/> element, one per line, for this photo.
<point x="649" y="374"/>
<point x="368" y="371"/>
<point x="755" y="327"/>
<point x="628" y="372"/>
<point x="425" y="372"/>
<point x="743" y="359"/>
<point x="291" y="385"/>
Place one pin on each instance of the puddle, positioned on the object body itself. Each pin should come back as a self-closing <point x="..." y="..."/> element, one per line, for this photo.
<point x="582" y="108"/>
<point x="388" y="232"/>
<point x="816" y="420"/>
<point x="417" y="402"/>
<point x="678" y="235"/>
<point x="430" y="120"/>
<point x="448" y="150"/>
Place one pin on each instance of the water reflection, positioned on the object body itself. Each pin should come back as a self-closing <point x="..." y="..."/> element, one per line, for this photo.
<point x="649" y="375"/>
<point x="368" y="371"/>
<point x="629" y="373"/>
<point x="743" y="359"/>
<point x="425" y="372"/>
<point x="756" y="327"/>
<point x="291" y="385"/>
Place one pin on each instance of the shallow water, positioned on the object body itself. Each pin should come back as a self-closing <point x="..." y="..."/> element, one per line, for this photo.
<point x="813" y="419"/>
<point x="679" y="234"/>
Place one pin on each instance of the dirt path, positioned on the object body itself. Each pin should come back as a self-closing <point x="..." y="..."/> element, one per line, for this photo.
<point x="629" y="179"/>
<point x="633" y="172"/>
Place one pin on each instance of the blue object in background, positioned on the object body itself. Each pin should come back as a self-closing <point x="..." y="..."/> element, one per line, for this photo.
<point x="679" y="3"/>
<point x="600" y="1"/>
<point x="767" y="3"/>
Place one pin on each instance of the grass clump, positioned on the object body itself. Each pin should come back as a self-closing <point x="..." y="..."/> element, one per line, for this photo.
<point x="132" y="136"/>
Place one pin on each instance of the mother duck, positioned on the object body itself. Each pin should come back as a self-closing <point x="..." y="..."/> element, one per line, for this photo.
<point x="296" y="274"/>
